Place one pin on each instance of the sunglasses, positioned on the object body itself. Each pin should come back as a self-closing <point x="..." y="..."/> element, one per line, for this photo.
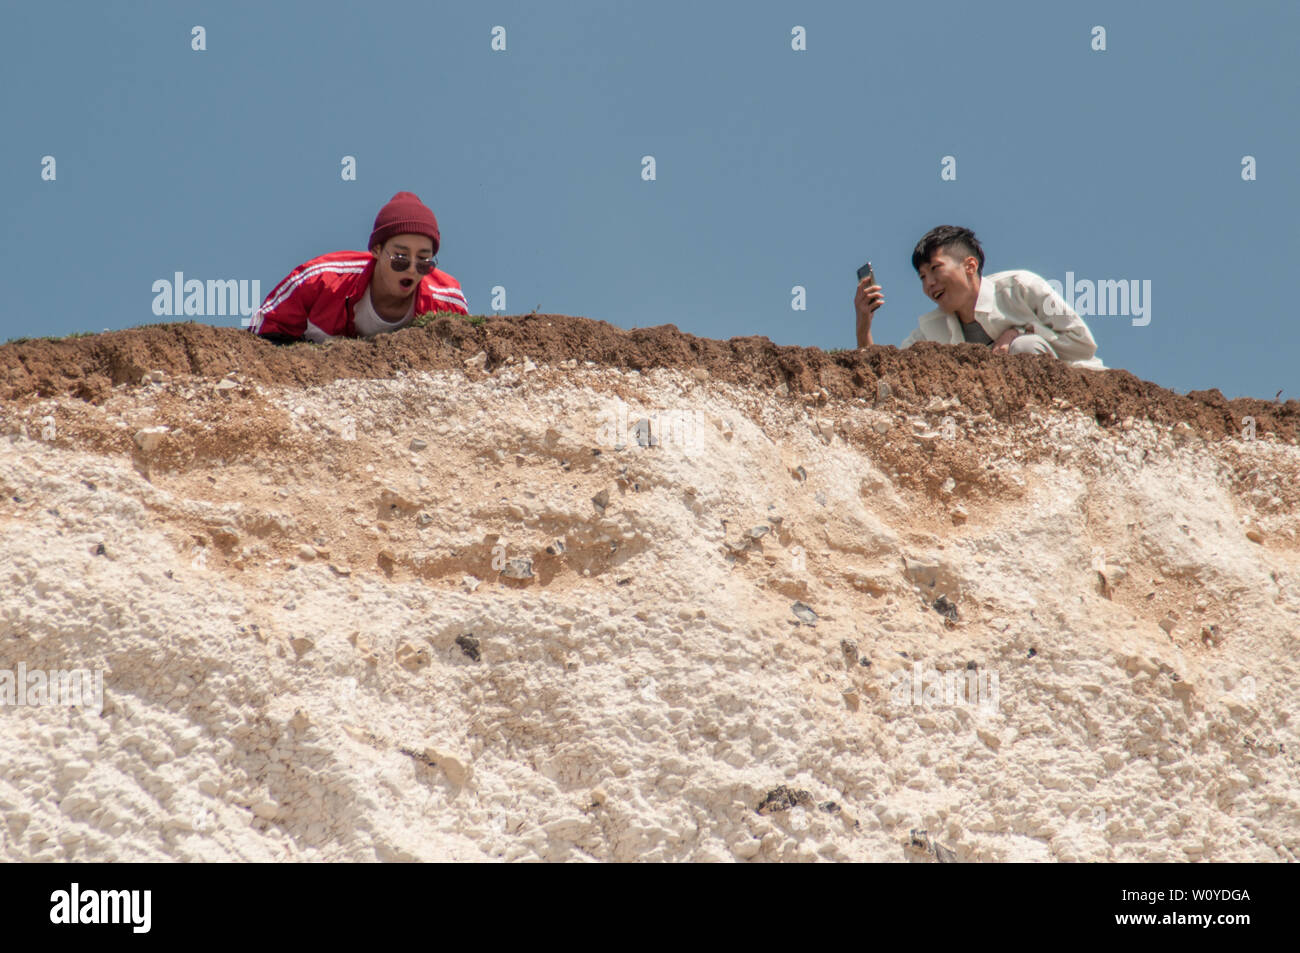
<point x="423" y="266"/>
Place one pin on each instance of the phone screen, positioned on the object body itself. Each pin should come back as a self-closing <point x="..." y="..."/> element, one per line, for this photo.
<point x="865" y="272"/>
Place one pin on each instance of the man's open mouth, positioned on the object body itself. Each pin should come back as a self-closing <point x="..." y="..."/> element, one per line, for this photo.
<point x="407" y="282"/>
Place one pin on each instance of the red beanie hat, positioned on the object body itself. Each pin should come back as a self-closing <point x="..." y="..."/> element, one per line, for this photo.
<point x="404" y="214"/>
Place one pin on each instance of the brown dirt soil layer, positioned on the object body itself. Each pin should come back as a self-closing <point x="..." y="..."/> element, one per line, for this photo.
<point x="1003" y="385"/>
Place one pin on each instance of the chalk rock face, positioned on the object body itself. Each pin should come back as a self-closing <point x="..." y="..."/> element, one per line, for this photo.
<point x="836" y="628"/>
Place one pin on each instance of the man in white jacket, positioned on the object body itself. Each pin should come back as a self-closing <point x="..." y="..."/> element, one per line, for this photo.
<point x="1015" y="312"/>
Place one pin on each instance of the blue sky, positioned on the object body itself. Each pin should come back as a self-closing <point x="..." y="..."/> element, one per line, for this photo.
<point x="775" y="167"/>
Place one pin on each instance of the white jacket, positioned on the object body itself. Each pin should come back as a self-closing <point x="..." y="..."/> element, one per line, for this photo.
<point x="1017" y="299"/>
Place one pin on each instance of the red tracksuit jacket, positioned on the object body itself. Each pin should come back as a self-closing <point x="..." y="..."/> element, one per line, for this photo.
<point x="318" y="297"/>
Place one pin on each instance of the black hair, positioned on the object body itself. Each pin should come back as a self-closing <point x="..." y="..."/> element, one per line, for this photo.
<point x="947" y="236"/>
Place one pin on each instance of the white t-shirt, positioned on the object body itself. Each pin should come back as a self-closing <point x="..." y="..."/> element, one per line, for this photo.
<point x="369" y="323"/>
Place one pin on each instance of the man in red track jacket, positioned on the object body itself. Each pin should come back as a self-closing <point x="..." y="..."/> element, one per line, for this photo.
<point x="361" y="294"/>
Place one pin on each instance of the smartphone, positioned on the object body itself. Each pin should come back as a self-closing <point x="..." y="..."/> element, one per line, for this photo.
<point x="866" y="272"/>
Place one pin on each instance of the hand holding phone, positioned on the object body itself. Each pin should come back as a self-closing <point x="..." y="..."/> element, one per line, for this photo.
<point x="865" y="302"/>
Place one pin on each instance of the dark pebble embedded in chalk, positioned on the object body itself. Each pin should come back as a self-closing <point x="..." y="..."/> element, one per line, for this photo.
<point x="946" y="608"/>
<point x="782" y="798"/>
<point x="804" y="613"/>
<point x="469" y="645"/>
